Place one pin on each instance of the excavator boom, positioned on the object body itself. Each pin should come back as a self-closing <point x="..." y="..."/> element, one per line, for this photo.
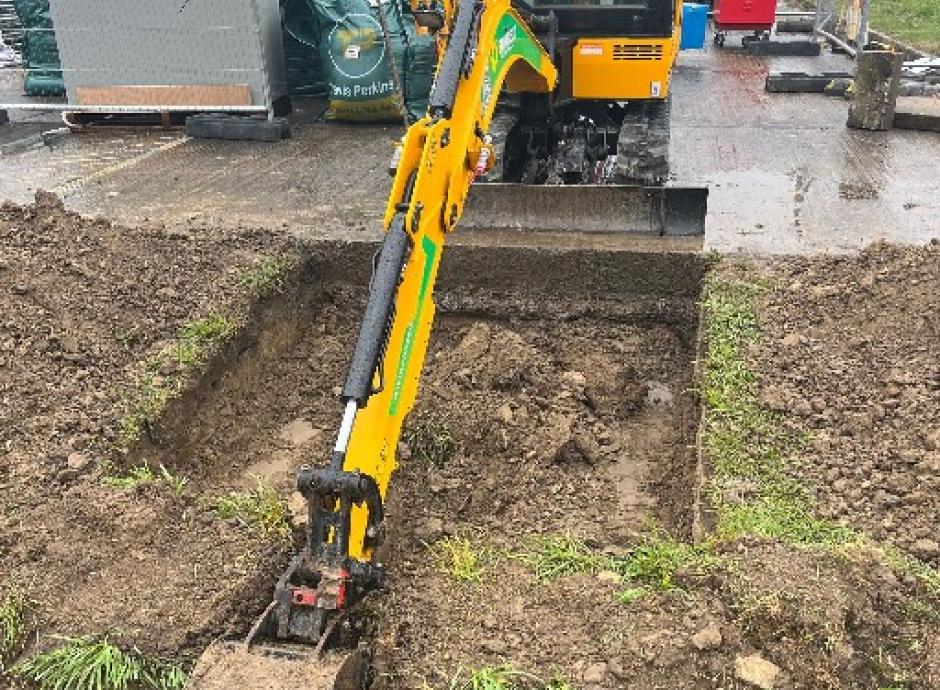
<point x="489" y="46"/>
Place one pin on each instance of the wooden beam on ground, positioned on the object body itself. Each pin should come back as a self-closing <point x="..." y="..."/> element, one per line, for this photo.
<point x="198" y="95"/>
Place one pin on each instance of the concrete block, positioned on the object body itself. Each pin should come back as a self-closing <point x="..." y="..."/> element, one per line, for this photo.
<point x="795" y="25"/>
<point x="877" y="80"/>
<point x="237" y="127"/>
<point x="918" y="113"/>
<point x="801" y="82"/>
<point x="792" y="48"/>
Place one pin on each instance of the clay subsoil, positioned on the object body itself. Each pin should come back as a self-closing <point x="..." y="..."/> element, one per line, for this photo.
<point x="567" y="381"/>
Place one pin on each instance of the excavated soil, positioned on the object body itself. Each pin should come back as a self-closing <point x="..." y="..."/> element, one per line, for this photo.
<point x="851" y="354"/>
<point x="566" y="379"/>
<point x="82" y="304"/>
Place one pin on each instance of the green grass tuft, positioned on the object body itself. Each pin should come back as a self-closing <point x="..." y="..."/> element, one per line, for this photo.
<point x="652" y="565"/>
<point x="462" y="558"/>
<point x="656" y="562"/>
<point x="260" y="506"/>
<point x="88" y="663"/>
<point x="198" y="338"/>
<point x="746" y="443"/>
<point x="14" y="608"/>
<point x="430" y="441"/>
<point x="268" y="276"/>
<point x="551" y="557"/>
<point x="143" y="474"/>
<point x="136" y="476"/>
<point x="153" y="390"/>
<point x="502" y="678"/>
<point x="146" y="405"/>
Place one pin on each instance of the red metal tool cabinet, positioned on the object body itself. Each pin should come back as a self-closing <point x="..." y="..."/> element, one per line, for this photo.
<point x="744" y="15"/>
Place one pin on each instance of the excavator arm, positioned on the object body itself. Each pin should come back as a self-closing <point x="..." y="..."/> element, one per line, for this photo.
<point x="488" y="46"/>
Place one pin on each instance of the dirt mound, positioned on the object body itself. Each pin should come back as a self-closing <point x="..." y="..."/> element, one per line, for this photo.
<point x="83" y="302"/>
<point x="852" y="353"/>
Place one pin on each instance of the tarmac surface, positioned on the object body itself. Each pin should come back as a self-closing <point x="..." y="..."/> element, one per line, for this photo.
<point x="785" y="174"/>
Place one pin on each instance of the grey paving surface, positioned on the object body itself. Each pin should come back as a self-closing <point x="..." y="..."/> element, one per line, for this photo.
<point x="785" y="173"/>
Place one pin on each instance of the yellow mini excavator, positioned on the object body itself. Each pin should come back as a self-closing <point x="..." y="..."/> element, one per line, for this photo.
<point x="578" y="76"/>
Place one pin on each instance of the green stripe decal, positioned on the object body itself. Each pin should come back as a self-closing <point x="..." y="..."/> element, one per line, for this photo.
<point x="430" y="253"/>
<point x="512" y="41"/>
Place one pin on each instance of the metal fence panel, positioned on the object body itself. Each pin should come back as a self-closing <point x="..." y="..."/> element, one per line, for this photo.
<point x="171" y="43"/>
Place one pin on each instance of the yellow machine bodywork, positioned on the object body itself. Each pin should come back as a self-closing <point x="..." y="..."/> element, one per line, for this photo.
<point x="625" y="69"/>
<point x="437" y="163"/>
<point x="622" y="69"/>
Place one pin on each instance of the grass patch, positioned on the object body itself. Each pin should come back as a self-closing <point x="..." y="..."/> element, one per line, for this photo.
<point x="653" y="565"/>
<point x="260" y="506"/>
<point x="268" y="276"/>
<point x="146" y="405"/>
<point x="462" y="558"/>
<point x="430" y="441"/>
<point x="192" y="347"/>
<point x="746" y="443"/>
<point x="632" y="594"/>
<point x="14" y="608"/>
<point x="143" y="474"/>
<point x="551" y="557"/>
<point x="657" y="561"/>
<point x="198" y="338"/>
<point x="749" y="448"/>
<point x="913" y="21"/>
<point x="88" y="663"/>
<point x="502" y="678"/>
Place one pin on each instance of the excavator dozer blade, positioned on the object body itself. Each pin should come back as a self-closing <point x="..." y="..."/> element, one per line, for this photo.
<point x="235" y="666"/>
<point x="674" y="211"/>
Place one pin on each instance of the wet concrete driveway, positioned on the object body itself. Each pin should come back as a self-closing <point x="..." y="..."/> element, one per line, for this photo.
<point x="785" y="174"/>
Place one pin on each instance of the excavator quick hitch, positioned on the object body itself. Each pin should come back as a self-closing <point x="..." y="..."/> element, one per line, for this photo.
<point x="322" y="579"/>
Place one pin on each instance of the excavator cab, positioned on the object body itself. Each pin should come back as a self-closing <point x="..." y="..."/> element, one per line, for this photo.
<point x="619" y="50"/>
<point x="604" y="129"/>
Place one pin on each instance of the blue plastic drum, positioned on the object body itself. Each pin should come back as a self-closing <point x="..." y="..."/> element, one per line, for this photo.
<point x="694" y="26"/>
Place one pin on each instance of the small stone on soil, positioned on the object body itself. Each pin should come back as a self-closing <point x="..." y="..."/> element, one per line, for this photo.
<point x="756" y="670"/>
<point x="595" y="673"/>
<point x="77" y="461"/>
<point x="707" y="638"/>
<point x="504" y="413"/>
<point x="298" y="432"/>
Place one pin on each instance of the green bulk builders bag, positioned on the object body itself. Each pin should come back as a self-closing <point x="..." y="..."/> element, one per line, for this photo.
<point x="301" y="48"/>
<point x="40" y="51"/>
<point x="360" y="82"/>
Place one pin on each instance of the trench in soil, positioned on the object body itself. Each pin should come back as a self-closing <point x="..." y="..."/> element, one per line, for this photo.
<point x="565" y="378"/>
